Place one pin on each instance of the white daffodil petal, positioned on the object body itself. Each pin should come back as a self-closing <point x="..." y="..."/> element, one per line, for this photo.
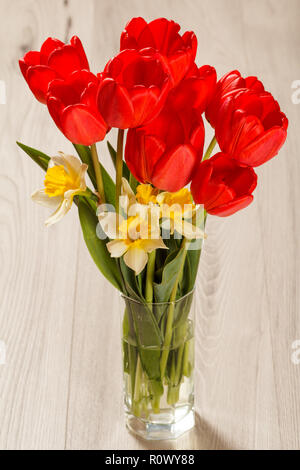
<point x="73" y="165"/>
<point x="117" y="248"/>
<point x="168" y="225"/>
<point x="82" y="175"/>
<point x="161" y="197"/>
<point x="126" y="189"/>
<point x="58" y="161"/>
<point x="108" y="222"/>
<point x="60" y="212"/>
<point x="136" y="259"/>
<point x="189" y="231"/>
<point x="188" y="211"/>
<point x="151" y="245"/>
<point x="40" y="197"/>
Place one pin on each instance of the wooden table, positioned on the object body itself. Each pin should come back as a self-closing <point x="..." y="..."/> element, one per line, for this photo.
<point x="61" y="385"/>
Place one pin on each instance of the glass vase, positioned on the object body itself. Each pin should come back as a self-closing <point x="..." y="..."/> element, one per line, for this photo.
<point x="158" y="366"/>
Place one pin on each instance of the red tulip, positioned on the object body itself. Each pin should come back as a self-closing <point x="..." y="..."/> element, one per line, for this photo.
<point x="178" y="51"/>
<point x="134" y="88"/>
<point x="54" y="60"/>
<point x="251" y="127"/>
<point x="72" y="105"/>
<point x="230" y="84"/>
<point x="196" y="90"/>
<point x="223" y="186"/>
<point x="167" y="150"/>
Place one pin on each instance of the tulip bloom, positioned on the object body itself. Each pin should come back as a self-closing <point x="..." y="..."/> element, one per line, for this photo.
<point x="178" y="52"/>
<point x="196" y="90"/>
<point x="223" y="186"/>
<point x="167" y="151"/>
<point x="227" y="86"/>
<point x="251" y="127"/>
<point x="65" y="178"/>
<point x="72" y="105"/>
<point x="134" y="87"/>
<point x="54" y="60"/>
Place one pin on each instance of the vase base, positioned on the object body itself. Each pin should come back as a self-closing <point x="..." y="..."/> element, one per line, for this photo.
<point x="159" y="428"/>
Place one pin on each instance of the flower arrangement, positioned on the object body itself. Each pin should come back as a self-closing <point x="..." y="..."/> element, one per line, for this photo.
<point x="145" y="229"/>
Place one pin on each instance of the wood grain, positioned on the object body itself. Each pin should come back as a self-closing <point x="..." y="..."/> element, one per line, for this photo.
<point x="61" y="385"/>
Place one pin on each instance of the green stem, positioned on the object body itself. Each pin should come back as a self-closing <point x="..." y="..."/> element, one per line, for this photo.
<point x="137" y="388"/>
<point x="119" y="168"/>
<point x="210" y="149"/>
<point x="170" y="316"/>
<point x="150" y="277"/>
<point x="98" y="173"/>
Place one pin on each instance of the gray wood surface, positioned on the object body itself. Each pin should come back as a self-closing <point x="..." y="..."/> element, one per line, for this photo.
<point x="61" y="385"/>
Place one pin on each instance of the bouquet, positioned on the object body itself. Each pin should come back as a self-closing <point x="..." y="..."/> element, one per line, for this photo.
<point x="145" y="228"/>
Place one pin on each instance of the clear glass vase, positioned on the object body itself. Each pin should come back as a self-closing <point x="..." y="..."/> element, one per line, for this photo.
<point x="158" y="365"/>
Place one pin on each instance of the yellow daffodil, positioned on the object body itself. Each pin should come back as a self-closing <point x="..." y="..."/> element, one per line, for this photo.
<point x="65" y="178"/>
<point x="146" y="194"/>
<point x="177" y="208"/>
<point x="138" y="234"/>
<point x="132" y="246"/>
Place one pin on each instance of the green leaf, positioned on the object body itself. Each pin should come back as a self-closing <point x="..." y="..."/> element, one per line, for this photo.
<point x="97" y="247"/>
<point x="163" y="290"/>
<point x="86" y="157"/>
<point x="131" y="282"/>
<point x="148" y="336"/>
<point x="186" y="282"/>
<point x="147" y="331"/>
<point x="37" y="156"/>
<point x="194" y="249"/>
<point x="113" y="155"/>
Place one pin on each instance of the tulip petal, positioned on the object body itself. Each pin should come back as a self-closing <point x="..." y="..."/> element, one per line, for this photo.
<point x="55" y="108"/>
<point x="115" y="105"/>
<point x="231" y="207"/>
<point x="264" y="148"/>
<point x="50" y="45"/>
<point x="180" y="163"/>
<point x="131" y="33"/>
<point x="39" y="77"/>
<point x="64" y="61"/>
<point x="77" y="44"/>
<point x="81" y="127"/>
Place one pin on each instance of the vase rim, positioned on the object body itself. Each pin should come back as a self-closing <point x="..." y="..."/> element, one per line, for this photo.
<point x="131" y="299"/>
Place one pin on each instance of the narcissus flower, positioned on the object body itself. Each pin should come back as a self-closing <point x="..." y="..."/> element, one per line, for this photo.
<point x="251" y="127"/>
<point x="178" y="52"/>
<point x="72" y="105"/>
<point x="227" y="86"/>
<point x="134" y="87"/>
<point x="135" y="236"/>
<point x="223" y="186"/>
<point x="54" y="60"/>
<point x="135" y="250"/>
<point x="65" y="178"/>
<point x="176" y="210"/>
